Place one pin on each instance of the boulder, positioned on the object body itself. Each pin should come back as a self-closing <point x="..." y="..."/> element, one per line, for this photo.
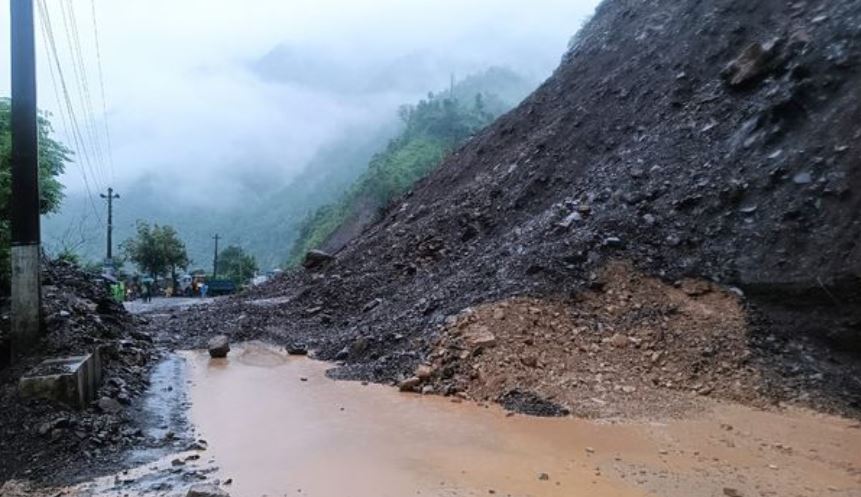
<point x="482" y="338"/>
<point x="424" y="372"/>
<point x="316" y="258"/>
<point x="206" y="490"/>
<point x="219" y="346"/>
<point x="297" y="349"/>
<point x="753" y="63"/>
<point x="107" y="404"/>
<point x="410" y="384"/>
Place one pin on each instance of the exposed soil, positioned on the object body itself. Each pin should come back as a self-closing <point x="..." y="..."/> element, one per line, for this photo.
<point x="712" y="141"/>
<point x="709" y="143"/>
<point x="638" y="347"/>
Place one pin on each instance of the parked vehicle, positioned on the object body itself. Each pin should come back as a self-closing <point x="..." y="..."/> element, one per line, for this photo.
<point x="220" y="287"/>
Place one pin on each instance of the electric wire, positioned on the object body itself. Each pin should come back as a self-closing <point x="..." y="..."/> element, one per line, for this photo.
<point x="73" y="125"/>
<point x="79" y="69"/>
<point x="102" y="90"/>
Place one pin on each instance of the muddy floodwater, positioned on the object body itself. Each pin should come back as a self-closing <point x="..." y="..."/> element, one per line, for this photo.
<point x="276" y="425"/>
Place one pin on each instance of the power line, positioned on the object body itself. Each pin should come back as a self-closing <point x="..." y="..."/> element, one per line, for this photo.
<point x="102" y="88"/>
<point x="73" y="123"/>
<point x="79" y="70"/>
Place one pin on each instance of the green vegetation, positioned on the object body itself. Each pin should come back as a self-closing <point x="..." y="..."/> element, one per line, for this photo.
<point x="432" y="129"/>
<point x="266" y="220"/>
<point x="236" y="265"/>
<point x="156" y="250"/>
<point x="53" y="157"/>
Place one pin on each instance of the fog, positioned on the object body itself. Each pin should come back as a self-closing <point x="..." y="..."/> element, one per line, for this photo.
<point x="216" y="99"/>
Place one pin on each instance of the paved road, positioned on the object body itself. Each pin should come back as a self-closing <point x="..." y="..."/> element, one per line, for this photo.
<point x="163" y="304"/>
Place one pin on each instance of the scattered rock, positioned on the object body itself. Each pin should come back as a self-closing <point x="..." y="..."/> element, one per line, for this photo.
<point x="107" y="404"/>
<point x="802" y="178"/>
<point x="371" y="305"/>
<point x="343" y="354"/>
<point x="482" y="338"/>
<point x="619" y="341"/>
<point x="206" y="490"/>
<point x="753" y="63"/>
<point x="219" y="346"/>
<point x="316" y="258"/>
<point x="297" y="349"/>
<point x="410" y="384"/>
<point x="424" y="372"/>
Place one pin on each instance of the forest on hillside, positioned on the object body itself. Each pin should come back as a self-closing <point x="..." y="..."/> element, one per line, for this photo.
<point x="432" y="129"/>
<point x="269" y="224"/>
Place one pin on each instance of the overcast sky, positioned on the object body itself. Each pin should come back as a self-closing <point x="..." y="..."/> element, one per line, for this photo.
<point x="189" y="107"/>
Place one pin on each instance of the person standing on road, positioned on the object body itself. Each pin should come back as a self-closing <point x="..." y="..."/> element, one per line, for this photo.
<point x="145" y="291"/>
<point x="203" y="288"/>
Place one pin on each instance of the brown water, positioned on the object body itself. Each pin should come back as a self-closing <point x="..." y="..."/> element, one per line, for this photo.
<point x="277" y="435"/>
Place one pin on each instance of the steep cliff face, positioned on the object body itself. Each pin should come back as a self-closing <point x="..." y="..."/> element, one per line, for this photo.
<point x="710" y="140"/>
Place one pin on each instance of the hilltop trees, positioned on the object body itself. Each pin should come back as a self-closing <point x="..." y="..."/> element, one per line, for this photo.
<point x="432" y="128"/>
<point x="53" y="157"/>
<point x="236" y="265"/>
<point x="156" y="250"/>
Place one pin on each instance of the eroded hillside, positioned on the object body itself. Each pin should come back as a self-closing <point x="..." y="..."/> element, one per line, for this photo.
<point x="714" y="141"/>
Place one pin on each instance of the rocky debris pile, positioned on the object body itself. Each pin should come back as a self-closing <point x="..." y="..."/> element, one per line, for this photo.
<point x="625" y="348"/>
<point x="706" y="140"/>
<point x="41" y="438"/>
<point x="78" y="311"/>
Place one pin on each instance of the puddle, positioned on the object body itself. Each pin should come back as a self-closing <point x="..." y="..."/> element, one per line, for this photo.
<point x="274" y="434"/>
<point x="277" y="426"/>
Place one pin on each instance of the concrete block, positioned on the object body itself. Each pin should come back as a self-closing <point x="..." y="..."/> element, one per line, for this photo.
<point x="70" y="380"/>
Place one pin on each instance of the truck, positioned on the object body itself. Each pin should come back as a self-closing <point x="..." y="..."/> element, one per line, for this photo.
<point x="220" y="287"/>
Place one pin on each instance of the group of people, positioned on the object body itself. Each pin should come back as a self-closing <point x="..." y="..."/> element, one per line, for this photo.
<point x="146" y="288"/>
<point x="199" y="288"/>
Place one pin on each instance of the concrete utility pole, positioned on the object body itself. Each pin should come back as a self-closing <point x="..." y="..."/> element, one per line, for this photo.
<point x="26" y="239"/>
<point x="215" y="258"/>
<point x="110" y="196"/>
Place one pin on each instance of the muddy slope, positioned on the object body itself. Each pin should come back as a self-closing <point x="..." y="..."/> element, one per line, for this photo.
<point x="712" y="140"/>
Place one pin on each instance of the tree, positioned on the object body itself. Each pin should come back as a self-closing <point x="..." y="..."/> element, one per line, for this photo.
<point x="236" y="265"/>
<point x="53" y="157"/>
<point x="156" y="250"/>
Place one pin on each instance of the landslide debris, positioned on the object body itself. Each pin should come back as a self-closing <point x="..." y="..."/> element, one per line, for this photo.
<point x="49" y="441"/>
<point x="713" y="141"/>
<point x="623" y="349"/>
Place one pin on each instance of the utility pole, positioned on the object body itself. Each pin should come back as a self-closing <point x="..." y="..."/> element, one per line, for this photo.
<point x="110" y="196"/>
<point x="215" y="258"/>
<point x="26" y="239"/>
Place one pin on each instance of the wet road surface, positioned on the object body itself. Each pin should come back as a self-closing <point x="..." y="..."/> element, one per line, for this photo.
<point x="163" y="304"/>
<point x="275" y="425"/>
<point x="274" y="433"/>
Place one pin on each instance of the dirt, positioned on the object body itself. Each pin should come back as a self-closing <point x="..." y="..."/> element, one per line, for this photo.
<point x="712" y="141"/>
<point x="51" y="442"/>
<point x="638" y="347"/>
<point x="711" y="144"/>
